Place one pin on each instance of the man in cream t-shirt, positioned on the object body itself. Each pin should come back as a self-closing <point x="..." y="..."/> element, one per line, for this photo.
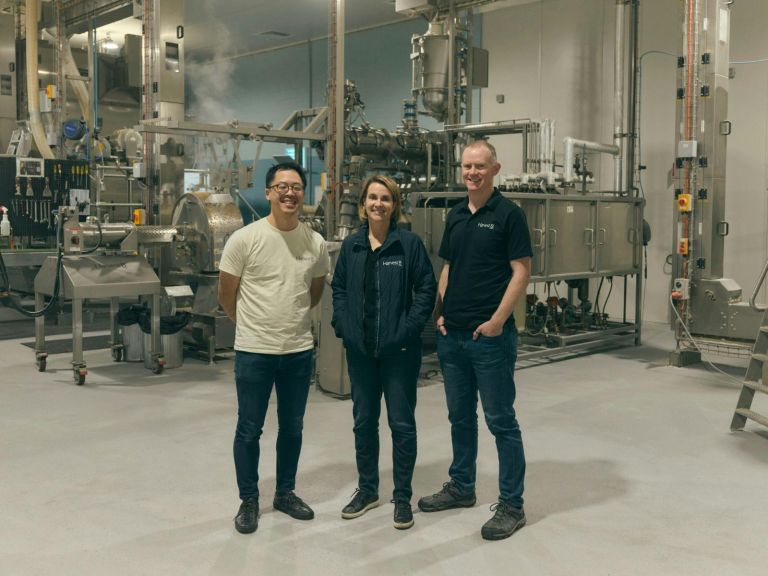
<point x="271" y="273"/>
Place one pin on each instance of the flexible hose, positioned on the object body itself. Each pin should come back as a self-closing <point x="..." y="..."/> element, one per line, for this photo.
<point x="6" y="291"/>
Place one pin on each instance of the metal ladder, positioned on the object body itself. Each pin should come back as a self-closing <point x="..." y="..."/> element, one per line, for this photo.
<point x="756" y="379"/>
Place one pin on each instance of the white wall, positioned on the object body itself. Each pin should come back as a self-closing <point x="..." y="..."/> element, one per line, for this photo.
<point x="554" y="59"/>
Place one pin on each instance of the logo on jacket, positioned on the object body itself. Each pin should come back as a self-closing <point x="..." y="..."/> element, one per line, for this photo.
<point x="392" y="263"/>
<point x="490" y="226"/>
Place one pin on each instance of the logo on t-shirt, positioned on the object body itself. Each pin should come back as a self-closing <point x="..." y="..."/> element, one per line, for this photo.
<point x="490" y="226"/>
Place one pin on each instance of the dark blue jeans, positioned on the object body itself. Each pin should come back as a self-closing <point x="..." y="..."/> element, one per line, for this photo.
<point x="395" y="376"/>
<point x="485" y="366"/>
<point x="255" y="374"/>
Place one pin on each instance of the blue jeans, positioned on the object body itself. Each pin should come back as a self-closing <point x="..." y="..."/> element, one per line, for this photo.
<point x="487" y="366"/>
<point x="394" y="375"/>
<point x="255" y="374"/>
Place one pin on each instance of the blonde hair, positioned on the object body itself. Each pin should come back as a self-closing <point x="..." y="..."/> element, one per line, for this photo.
<point x="393" y="189"/>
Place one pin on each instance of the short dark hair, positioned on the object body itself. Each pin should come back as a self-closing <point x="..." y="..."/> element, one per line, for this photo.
<point x="282" y="167"/>
<point x="483" y="143"/>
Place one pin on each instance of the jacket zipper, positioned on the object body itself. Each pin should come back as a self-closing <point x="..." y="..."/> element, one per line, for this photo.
<point x="378" y="305"/>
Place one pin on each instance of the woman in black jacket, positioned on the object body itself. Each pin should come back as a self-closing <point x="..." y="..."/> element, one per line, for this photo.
<point x="383" y="292"/>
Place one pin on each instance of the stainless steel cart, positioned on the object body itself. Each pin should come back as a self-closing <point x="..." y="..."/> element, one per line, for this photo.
<point x="97" y="276"/>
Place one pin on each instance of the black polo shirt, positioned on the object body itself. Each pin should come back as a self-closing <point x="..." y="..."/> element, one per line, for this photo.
<point x="478" y="247"/>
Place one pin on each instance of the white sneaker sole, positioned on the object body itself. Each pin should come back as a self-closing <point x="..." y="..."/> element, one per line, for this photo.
<point x="351" y="515"/>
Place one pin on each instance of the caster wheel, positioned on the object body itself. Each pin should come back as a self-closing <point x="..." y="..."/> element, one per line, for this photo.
<point x="117" y="354"/>
<point x="158" y="363"/>
<point x="79" y="376"/>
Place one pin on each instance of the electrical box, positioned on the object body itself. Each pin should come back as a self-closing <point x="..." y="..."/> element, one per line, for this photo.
<point x="139" y="170"/>
<point x="681" y="289"/>
<point x="479" y="68"/>
<point x="684" y="202"/>
<point x="682" y="246"/>
<point x="687" y="148"/>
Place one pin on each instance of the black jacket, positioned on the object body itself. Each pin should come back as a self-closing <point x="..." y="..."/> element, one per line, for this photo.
<point x="406" y="287"/>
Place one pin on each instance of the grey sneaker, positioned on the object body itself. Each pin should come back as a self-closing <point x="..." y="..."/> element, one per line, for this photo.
<point x="247" y="519"/>
<point x="360" y="504"/>
<point x="449" y="497"/>
<point x="505" y="522"/>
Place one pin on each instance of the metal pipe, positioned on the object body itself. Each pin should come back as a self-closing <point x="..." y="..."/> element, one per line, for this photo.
<point x="618" y="95"/>
<point x="116" y="204"/>
<point x="632" y="83"/>
<point x="500" y="127"/>
<point x="242" y="199"/>
<point x="570" y="150"/>
<point x="338" y="118"/>
<point x="452" y="114"/>
<point x="470" y="66"/>
<point x="633" y="87"/>
<point x="759" y="284"/>
<point x="106" y="234"/>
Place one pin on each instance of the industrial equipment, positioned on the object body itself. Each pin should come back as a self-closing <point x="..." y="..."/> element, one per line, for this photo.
<point x="710" y="314"/>
<point x="580" y="236"/>
<point x="95" y="261"/>
<point x="209" y="219"/>
<point x="124" y="195"/>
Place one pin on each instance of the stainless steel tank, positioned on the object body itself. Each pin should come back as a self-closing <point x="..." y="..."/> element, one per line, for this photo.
<point x="431" y="57"/>
<point x="210" y="218"/>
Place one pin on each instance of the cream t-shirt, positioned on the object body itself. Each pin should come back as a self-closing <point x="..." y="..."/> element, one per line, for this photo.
<point x="276" y="269"/>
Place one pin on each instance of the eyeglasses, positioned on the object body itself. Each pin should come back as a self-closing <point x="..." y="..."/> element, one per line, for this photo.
<point x="283" y="187"/>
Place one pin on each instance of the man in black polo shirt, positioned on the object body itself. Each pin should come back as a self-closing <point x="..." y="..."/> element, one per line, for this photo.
<point x="487" y="251"/>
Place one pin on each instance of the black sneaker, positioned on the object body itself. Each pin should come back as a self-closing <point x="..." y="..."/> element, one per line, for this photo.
<point x="403" y="515"/>
<point x="247" y="519"/>
<point x="360" y="504"/>
<point x="449" y="497"/>
<point x="505" y="522"/>
<point x="292" y="505"/>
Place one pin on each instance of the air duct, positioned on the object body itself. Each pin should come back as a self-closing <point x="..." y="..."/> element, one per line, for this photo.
<point x="33" y="91"/>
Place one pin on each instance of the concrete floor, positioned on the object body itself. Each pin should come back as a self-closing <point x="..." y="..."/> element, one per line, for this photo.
<point x="631" y="470"/>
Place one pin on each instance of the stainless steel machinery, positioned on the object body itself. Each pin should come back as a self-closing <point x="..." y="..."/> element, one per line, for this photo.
<point x="105" y="260"/>
<point x="709" y="311"/>
<point x="579" y="236"/>
<point x="208" y="219"/>
<point x="97" y="261"/>
<point x="575" y="238"/>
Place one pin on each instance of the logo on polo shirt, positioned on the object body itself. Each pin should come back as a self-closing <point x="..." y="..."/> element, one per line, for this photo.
<point x="490" y="226"/>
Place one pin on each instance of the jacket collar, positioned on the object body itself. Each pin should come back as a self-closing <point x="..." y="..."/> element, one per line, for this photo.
<point x="360" y="238"/>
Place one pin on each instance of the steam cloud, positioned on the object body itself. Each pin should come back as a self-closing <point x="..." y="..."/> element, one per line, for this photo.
<point x="210" y="79"/>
